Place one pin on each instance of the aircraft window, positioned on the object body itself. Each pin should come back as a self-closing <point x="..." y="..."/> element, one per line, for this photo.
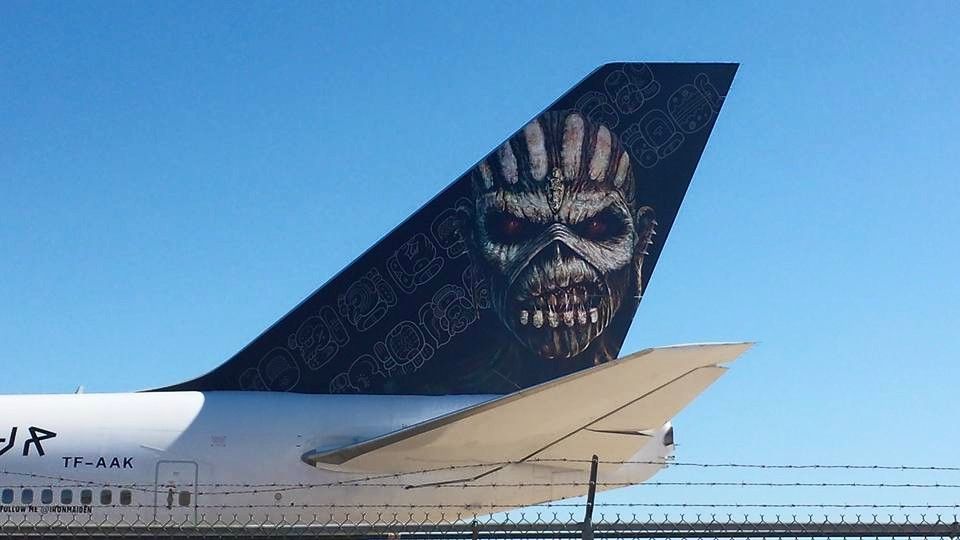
<point x="86" y="496"/>
<point x="7" y="496"/>
<point x="46" y="496"/>
<point x="184" y="498"/>
<point x="126" y="497"/>
<point x="66" y="496"/>
<point x="26" y="496"/>
<point x="106" y="496"/>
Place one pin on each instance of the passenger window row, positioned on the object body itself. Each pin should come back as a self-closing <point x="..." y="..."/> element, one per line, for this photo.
<point x="7" y="496"/>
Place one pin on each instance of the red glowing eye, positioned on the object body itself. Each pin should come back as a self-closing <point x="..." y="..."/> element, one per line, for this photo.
<point x="601" y="227"/>
<point x="595" y="228"/>
<point x="511" y="227"/>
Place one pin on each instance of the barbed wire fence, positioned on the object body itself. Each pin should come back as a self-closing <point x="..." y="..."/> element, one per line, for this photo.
<point x="460" y="526"/>
<point x="582" y="520"/>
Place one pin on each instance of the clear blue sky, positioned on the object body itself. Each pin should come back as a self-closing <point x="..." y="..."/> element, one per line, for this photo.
<point x="175" y="176"/>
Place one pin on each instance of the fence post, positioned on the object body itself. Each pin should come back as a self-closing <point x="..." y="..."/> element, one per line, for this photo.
<point x="591" y="493"/>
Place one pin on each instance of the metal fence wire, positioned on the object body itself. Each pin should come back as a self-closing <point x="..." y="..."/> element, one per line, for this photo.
<point x="507" y="526"/>
<point x="585" y="520"/>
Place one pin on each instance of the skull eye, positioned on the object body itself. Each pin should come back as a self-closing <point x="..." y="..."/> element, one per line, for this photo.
<point x="603" y="226"/>
<point x="508" y="229"/>
<point x="594" y="228"/>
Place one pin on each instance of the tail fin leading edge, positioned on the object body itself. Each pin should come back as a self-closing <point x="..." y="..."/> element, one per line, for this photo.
<point x="528" y="267"/>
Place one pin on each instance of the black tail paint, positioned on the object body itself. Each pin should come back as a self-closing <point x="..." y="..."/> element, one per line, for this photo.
<point x="528" y="267"/>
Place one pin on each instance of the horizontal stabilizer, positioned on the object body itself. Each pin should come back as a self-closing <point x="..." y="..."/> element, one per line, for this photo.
<point x="635" y="393"/>
<point x="662" y="404"/>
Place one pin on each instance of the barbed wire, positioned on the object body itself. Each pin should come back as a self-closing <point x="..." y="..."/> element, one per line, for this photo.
<point x="272" y="488"/>
<point x="374" y="481"/>
<point x="522" y="485"/>
<point x="500" y="507"/>
<point x="683" y="484"/>
<point x="668" y="463"/>
<point x="466" y="525"/>
<point x="671" y="463"/>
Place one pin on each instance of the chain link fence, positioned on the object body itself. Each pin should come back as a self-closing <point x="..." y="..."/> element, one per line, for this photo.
<point x="513" y="525"/>
<point x="572" y="519"/>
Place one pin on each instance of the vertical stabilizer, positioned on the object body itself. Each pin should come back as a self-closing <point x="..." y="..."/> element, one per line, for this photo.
<point x="527" y="267"/>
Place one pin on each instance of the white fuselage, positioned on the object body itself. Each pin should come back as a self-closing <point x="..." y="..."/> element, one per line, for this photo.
<point x="183" y="456"/>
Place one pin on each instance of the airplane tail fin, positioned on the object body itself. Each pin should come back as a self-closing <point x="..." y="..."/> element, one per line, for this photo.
<point x="528" y="267"/>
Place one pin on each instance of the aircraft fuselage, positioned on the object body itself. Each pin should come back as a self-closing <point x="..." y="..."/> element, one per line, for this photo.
<point x="185" y="456"/>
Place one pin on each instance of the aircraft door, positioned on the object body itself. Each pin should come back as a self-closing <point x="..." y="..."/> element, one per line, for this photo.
<point x="175" y="498"/>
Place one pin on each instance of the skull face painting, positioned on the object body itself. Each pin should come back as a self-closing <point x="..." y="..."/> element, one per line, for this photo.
<point x="526" y="268"/>
<point x="556" y="231"/>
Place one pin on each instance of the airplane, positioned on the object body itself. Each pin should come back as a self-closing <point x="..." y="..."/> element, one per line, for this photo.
<point x="468" y="362"/>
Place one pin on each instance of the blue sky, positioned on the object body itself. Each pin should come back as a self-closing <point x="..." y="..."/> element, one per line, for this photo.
<point x="175" y="176"/>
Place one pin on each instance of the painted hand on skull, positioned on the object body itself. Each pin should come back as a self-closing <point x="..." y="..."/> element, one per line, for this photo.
<point x="555" y="230"/>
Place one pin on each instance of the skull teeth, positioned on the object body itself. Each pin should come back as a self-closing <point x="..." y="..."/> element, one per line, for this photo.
<point x="562" y="299"/>
<point x="553" y="319"/>
<point x="560" y="308"/>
